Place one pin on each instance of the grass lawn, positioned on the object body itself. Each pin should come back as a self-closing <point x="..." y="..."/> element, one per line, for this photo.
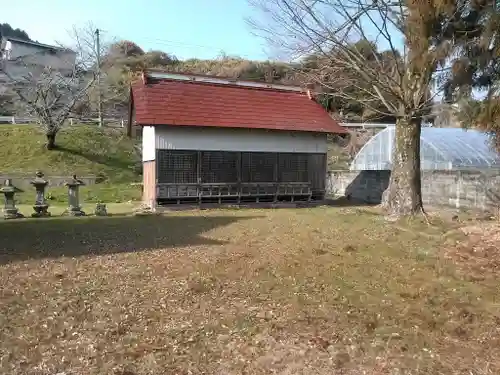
<point x="308" y="291"/>
<point x="106" y="153"/>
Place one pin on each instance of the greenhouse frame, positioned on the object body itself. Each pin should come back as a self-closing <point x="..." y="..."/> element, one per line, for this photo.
<point x="440" y="149"/>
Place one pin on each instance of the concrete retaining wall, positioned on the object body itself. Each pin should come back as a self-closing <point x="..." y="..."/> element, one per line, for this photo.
<point x="23" y="181"/>
<point x="459" y="189"/>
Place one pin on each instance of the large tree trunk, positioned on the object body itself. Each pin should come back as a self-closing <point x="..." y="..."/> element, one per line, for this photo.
<point x="51" y="141"/>
<point x="403" y="197"/>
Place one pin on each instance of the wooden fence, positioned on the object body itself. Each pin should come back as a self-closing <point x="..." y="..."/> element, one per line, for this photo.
<point x="114" y="122"/>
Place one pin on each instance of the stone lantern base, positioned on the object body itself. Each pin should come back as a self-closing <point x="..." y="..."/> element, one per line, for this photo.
<point x="41" y="210"/>
<point x="12" y="213"/>
<point x="74" y="211"/>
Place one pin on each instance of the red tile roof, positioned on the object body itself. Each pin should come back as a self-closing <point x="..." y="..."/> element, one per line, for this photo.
<point x="188" y="103"/>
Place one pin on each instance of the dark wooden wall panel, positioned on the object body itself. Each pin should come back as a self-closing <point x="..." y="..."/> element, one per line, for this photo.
<point x="185" y="173"/>
<point x="317" y="172"/>
<point x="219" y="167"/>
<point x="177" y="166"/>
<point x="293" y="167"/>
<point x="258" y="166"/>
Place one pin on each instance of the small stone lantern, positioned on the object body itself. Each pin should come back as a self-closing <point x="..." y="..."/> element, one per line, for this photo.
<point x="74" y="208"/>
<point x="100" y="209"/>
<point x="40" y="205"/>
<point x="10" y="210"/>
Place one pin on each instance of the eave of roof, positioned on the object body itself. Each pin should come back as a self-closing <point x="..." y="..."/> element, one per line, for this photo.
<point x="37" y="44"/>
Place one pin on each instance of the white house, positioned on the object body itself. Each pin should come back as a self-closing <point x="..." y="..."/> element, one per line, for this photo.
<point x="207" y="139"/>
<point x="20" y="56"/>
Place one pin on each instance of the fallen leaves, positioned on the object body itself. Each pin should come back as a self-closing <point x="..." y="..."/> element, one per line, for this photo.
<point x="478" y="255"/>
<point x="311" y="291"/>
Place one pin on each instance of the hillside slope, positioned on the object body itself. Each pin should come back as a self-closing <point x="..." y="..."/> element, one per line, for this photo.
<point x="85" y="150"/>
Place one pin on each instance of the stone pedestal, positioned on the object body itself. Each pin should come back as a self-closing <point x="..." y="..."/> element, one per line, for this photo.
<point x="40" y="207"/>
<point x="100" y="210"/>
<point x="74" y="208"/>
<point x="10" y="210"/>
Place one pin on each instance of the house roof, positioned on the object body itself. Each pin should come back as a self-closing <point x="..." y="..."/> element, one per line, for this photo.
<point x="35" y="44"/>
<point x="187" y="100"/>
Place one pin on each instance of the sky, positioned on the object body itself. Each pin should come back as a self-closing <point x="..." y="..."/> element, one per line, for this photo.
<point x="188" y="28"/>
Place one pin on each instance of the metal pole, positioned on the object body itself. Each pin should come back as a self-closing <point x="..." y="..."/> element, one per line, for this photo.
<point x="99" y="95"/>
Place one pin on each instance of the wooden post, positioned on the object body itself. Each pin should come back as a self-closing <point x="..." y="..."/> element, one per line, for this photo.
<point x="238" y="173"/>
<point x="198" y="175"/>
<point x="276" y="177"/>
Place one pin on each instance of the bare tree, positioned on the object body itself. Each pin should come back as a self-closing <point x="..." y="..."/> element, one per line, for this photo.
<point x="412" y="35"/>
<point x="51" y="87"/>
<point x="356" y="140"/>
<point x="85" y="39"/>
<point x="445" y="116"/>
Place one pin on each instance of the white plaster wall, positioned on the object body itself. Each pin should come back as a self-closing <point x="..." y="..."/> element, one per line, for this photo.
<point x="22" y="59"/>
<point x="148" y="143"/>
<point x="245" y="140"/>
<point x="59" y="59"/>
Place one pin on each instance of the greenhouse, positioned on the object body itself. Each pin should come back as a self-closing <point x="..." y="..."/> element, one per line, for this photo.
<point x="440" y="149"/>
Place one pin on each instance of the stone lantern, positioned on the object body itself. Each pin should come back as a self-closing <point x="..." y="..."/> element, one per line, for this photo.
<point x="40" y="205"/>
<point x="100" y="209"/>
<point x="74" y="208"/>
<point x="10" y="210"/>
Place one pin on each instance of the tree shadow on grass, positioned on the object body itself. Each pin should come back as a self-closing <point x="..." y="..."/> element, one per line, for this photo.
<point x="103" y="159"/>
<point x="73" y="237"/>
<point x="349" y="202"/>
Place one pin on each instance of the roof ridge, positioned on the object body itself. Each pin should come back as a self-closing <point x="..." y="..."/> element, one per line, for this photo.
<point x="35" y="43"/>
<point x="215" y="84"/>
<point x="149" y="75"/>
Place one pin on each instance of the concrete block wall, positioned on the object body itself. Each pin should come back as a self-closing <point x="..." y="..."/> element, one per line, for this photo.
<point x="459" y="189"/>
<point x="366" y="186"/>
<point x="23" y="181"/>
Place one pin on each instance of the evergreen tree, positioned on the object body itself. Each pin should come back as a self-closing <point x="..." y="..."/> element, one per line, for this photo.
<point x="7" y="31"/>
<point x="477" y="67"/>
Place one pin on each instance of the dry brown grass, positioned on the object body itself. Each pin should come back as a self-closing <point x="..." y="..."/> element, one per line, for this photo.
<point x="308" y="291"/>
<point x="477" y="257"/>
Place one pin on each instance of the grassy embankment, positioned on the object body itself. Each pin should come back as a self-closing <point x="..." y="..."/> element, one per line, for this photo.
<point x="85" y="150"/>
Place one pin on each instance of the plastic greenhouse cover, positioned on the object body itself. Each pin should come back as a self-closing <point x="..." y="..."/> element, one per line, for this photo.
<point x="455" y="147"/>
<point x="461" y="147"/>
